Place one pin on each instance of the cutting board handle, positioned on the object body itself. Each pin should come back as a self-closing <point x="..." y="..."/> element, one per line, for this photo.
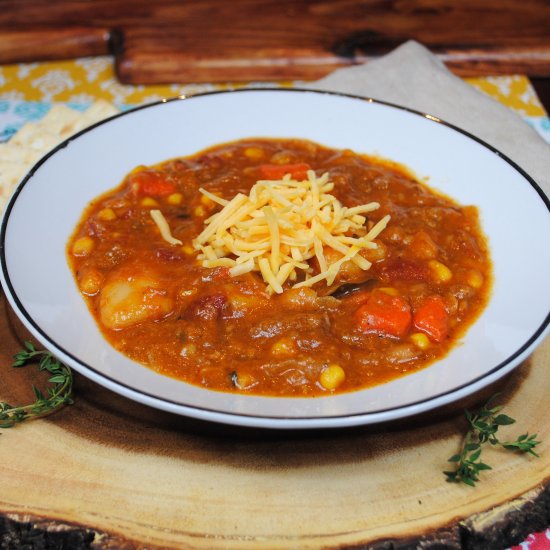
<point x="37" y="44"/>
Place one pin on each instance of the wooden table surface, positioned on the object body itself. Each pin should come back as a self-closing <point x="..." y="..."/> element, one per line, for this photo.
<point x="215" y="40"/>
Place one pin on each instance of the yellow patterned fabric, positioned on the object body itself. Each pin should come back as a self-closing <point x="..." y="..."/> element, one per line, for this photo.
<point x="515" y="92"/>
<point x="86" y="79"/>
<point x="77" y="81"/>
<point x="28" y="91"/>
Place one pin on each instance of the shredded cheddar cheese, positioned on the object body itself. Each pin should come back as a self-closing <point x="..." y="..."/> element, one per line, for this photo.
<point x="163" y="227"/>
<point x="281" y="225"/>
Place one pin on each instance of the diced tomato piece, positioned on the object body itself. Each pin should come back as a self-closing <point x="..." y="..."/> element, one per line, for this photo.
<point x="207" y="307"/>
<point x="432" y="318"/>
<point x="150" y="183"/>
<point x="384" y="314"/>
<point x="277" y="171"/>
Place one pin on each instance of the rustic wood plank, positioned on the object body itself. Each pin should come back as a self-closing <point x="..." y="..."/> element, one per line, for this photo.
<point x="138" y="65"/>
<point x="533" y="61"/>
<point x="215" y="40"/>
<point x="482" y="532"/>
<point x="48" y="44"/>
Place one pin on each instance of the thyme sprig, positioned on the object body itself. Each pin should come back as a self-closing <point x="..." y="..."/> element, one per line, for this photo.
<point x="56" y="396"/>
<point x="483" y="427"/>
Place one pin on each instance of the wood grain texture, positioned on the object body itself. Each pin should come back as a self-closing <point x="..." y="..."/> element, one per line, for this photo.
<point x="110" y="473"/>
<point x="45" y="44"/>
<point x="214" y="40"/>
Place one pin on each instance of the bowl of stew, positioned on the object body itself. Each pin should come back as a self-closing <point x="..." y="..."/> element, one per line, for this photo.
<point x="280" y="258"/>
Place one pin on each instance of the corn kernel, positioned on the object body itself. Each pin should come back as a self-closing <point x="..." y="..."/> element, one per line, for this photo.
<point x="375" y="254"/>
<point x="189" y="250"/>
<point x="389" y="290"/>
<point x="420" y="340"/>
<point x="474" y="278"/>
<point x="244" y="381"/>
<point x="188" y="350"/>
<point x="207" y="201"/>
<point x="106" y="214"/>
<point x="199" y="211"/>
<point x="175" y="199"/>
<point x="440" y="271"/>
<point x="284" y="346"/>
<point x="83" y="246"/>
<point x="281" y="157"/>
<point x="149" y="201"/>
<point x="332" y="377"/>
<point x="254" y="153"/>
<point x="90" y="281"/>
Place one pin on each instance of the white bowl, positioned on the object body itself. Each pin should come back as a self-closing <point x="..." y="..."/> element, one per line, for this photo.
<point x="48" y="203"/>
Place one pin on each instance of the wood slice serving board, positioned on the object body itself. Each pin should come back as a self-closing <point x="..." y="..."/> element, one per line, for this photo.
<point x="110" y="473"/>
<point x="171" y="41"/>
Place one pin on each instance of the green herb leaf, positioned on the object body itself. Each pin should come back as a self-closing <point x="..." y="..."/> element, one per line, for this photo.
<point x="58" y="395"/>
<point x="57" y="379"/>
<point x="503" y="420"/>
<point x="484" y="425"/>
<point x="524" y="444"/>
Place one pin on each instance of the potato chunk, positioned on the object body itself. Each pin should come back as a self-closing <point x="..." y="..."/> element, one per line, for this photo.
<point x="127" y="299"/>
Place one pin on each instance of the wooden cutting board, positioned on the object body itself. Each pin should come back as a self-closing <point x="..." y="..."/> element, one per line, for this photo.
<point x="171" y="41"/>
<point x="110" y="473"/>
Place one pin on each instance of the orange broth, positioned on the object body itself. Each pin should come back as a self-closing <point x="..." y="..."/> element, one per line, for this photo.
<point x="155" y="302"/>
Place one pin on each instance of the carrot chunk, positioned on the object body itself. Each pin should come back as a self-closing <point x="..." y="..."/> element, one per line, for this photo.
<point x="384" y="314"/>
<point x="277" y="171"/>
<point x="152" y="184"/>
<point x="432" y="318"/>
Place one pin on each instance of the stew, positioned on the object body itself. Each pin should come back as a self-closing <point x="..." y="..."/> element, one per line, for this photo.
<point x="350" y="274"/>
